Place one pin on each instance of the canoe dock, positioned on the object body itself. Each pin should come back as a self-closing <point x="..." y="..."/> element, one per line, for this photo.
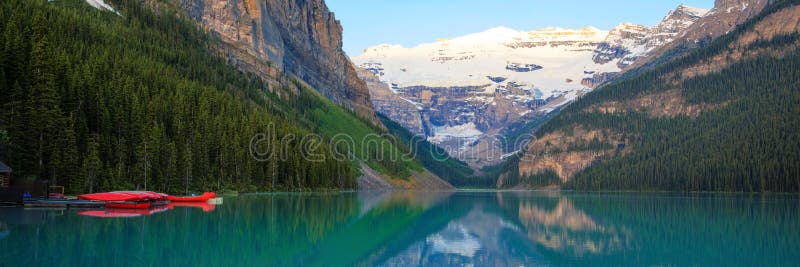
<point x="65" y="203"/>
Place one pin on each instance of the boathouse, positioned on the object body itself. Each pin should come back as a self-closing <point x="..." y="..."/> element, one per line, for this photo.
<point x="6" y="193"/>
<point x="5" y="176"/>
<point x="13" y="189"/>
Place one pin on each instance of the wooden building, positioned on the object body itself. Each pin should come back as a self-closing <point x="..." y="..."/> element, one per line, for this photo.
<point x="5" y="176"/>
<point x="12" y="189"/>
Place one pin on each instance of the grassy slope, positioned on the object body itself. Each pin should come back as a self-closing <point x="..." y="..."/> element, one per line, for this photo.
<point x="371" y="145"/>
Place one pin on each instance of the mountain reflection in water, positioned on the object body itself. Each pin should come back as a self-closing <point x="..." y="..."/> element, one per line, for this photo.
<point x="568" y="230"/>
<point x="414" y="228"/>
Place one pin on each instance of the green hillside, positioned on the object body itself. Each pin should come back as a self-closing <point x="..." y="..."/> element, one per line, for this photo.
<point x="354" y="136"/>
<point x="92" y="99"/>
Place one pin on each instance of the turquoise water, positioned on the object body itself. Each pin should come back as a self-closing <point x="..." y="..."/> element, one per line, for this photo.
<point x="410" y="229"/>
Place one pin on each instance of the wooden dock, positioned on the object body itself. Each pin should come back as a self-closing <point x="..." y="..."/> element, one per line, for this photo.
<point x="66" y="203"/>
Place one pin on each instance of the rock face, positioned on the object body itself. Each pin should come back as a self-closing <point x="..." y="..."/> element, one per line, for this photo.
<point x="629" y="42"/>
<point x="299" y="37"/>
<point x="619" y="42"/>
<point x="391" y="104"/>
<point x="721" y="19"/>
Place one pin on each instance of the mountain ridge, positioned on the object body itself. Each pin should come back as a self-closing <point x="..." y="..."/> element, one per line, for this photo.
<point x="301" y="38"/>
<point x="488" y="82"/>
<point x="721" y="19"/>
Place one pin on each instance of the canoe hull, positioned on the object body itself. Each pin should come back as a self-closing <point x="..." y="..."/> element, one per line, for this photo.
<point x="124" y="196"/>
<point x="202" y="198"/>
<point x="128" y="205"/>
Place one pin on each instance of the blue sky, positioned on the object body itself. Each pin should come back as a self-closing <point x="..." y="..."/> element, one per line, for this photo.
<point x="411" y="22"/>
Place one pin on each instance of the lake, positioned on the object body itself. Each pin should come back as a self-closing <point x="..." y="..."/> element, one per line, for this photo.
<point x="410" y="228"/>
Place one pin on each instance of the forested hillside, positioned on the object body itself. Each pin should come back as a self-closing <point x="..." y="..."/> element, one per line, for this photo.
<point x="722" y="118"/>
<point x="94" y="101"/>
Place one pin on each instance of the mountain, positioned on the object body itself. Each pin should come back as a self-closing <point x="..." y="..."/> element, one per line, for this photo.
<point x="303" y="40"/>
<point x="298" y="37"/>
<point x="722" y="117"/>
<point x="472" y="91"/>
<point x="469" y="88"/>
<point x="126" y="94"/>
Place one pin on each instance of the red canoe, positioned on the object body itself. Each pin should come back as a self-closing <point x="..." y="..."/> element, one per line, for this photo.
<point x="145" y="195"/>
<point x="124" y="196"/>
<point x="202" y="198"/>
<point x="128" y="205"/>
<point x="203" y="205"/>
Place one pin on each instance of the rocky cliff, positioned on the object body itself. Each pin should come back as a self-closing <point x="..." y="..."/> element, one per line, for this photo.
<point x="628" y="44"/>
<point x="298" y="37"/>
<point x="391" y="104"/>
<point x="721" y="19"/>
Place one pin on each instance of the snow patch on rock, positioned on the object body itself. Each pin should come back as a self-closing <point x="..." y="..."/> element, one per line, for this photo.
<point x="100" y="4"/>
<point x="462" y="131"/>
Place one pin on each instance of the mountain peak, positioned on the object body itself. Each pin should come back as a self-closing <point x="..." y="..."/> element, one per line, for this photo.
<point x="694" y="11"/>
<point x="628" y="42"/>
<point x="626" y="26"/>
<point x="684" y="11"/>
<point x="560" y="29"/>
<point x="500" y="30"/>
<point x="676" y="21"/>
<point x="590" y="29"/>
<point x="493" y="33"/>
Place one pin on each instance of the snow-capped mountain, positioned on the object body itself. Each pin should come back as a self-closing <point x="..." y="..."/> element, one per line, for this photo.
<point x="472" y="85"/>
<point x="542" y="61"/>
<point x="469" y="87"/>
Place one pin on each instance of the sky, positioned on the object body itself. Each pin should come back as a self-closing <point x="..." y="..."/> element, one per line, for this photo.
<point x="411" y="22"/>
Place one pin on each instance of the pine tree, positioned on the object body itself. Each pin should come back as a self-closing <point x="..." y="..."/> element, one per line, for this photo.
<point x="41" y="108"/>
<point x="187" y="165"/>
<point x="92" y="165"/>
